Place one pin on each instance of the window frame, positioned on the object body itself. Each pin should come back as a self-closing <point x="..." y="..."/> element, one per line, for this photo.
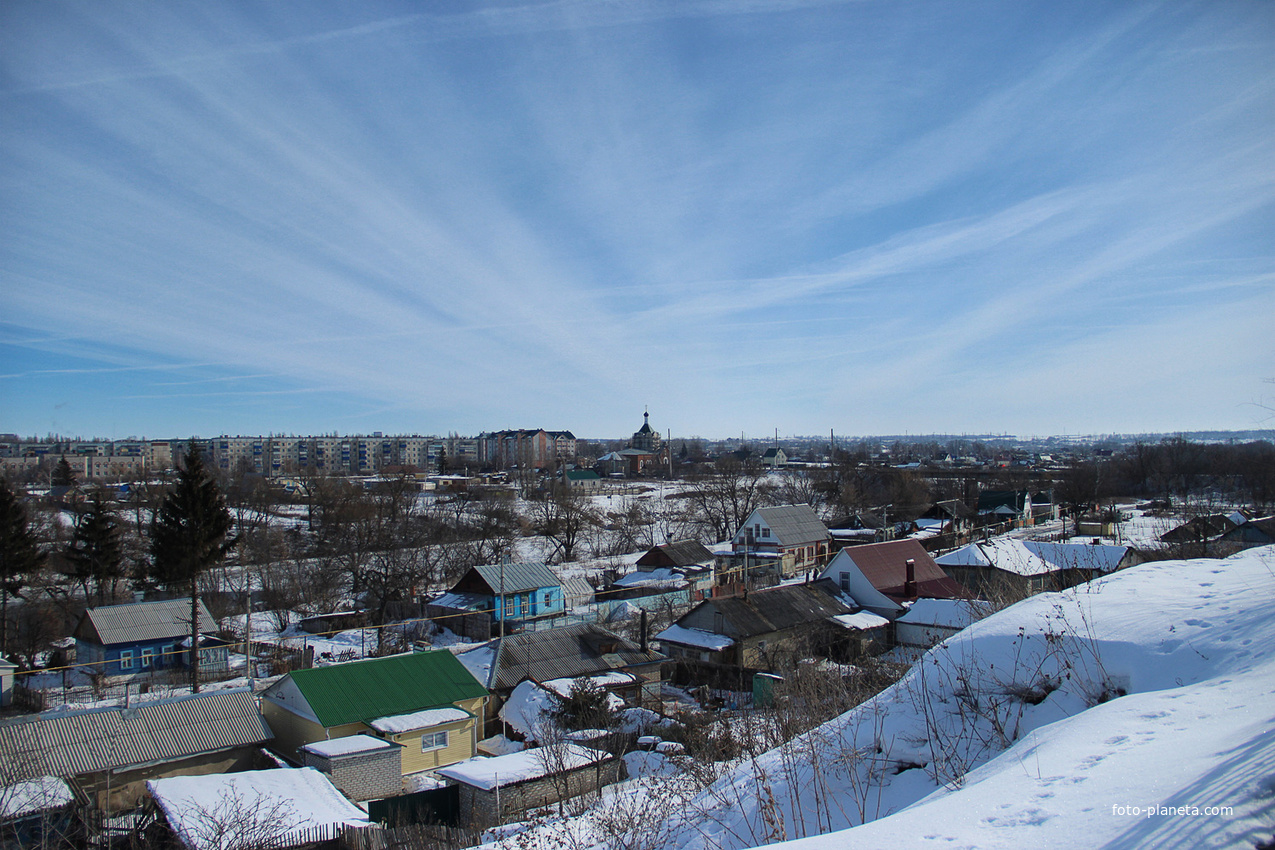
<point x="433" y="736"/>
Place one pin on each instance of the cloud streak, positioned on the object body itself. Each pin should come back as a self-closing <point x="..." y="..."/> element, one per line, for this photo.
<point x="793" y="215"/>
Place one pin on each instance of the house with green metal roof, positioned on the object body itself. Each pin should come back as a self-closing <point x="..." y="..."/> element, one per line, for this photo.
<point x="426" y="702"/>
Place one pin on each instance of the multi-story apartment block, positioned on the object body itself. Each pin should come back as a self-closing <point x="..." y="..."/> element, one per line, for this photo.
<point x="277" y="456"/>
<point x="526" y="448"/>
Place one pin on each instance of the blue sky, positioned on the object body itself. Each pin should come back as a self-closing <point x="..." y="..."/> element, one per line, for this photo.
<point x="873" y="217"/>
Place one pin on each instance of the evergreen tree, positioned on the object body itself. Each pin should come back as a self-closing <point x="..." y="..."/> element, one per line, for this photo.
<point x="190" y="534"/>
<point x="63" y="475"/>
<point x="96" y="552"/>
<point x="19" y="555"/>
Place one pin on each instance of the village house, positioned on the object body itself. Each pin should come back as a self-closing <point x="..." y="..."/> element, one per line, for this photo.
<point x="675" y="566"/>
<point x="426" y="701"/>
<point x="792" y="538"/>
<point x="735" y="636"/>
<point x="142" y="637"/>
<point x="1005" y="506"/>
<point x="567" y="652"/>
<point x="882" y="576"/>
<point x="928" y="622"/>
<point x="109" y="753"/>
<point x="1254" y="532"/>
<point x="1010" y="569"/>
<point x="516" y="593"/>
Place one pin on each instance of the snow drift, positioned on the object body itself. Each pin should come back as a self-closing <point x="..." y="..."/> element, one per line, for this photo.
<point x="1137" y="710"/>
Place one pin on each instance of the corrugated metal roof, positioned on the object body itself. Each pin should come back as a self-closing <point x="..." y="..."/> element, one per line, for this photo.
<point x="518" y="577"/>
<point x="80" y="742"/>
<point x="145" y="621"/>
<point x="359" y="691"/>
<point x="794" y="525"/>
<point x="568" y="652"/>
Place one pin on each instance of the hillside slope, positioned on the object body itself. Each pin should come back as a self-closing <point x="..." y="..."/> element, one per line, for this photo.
<point x="1154" y="687"/>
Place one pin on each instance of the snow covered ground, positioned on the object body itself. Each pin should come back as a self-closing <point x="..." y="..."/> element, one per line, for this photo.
<point x="1137" y="711"/>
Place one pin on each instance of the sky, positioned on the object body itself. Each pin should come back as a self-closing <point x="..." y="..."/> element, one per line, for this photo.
<point x="747" y="216"/>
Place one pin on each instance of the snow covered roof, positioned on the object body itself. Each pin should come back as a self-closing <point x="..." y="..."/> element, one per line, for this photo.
<point x="663" y="577"/>
<point x="694" y="637"/>
<point x="491" y="773"/>
<point x="949" y="613"/>
<point x="264" y="804"/>
<point x="860" y="620"/>
<point x="562" y="687"/>
<point x="400" y="723"/>
<point x="347" y="746"/>
<point x="1033" y="558"/>
<point x="34" y="795"/>
<point x="462" y="601"/>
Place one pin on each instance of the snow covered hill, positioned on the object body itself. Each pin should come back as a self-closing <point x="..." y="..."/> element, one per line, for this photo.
<point x="1137" y="711"/>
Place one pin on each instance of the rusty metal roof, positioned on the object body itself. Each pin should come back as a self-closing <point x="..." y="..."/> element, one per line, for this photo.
<point x="79" y="742"/>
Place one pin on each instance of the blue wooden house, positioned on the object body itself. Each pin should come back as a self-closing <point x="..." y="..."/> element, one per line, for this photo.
<point x="122" y="640"/>
<point x="515" y="593"/>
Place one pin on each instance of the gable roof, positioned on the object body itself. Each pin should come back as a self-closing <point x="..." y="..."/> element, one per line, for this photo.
<point x="78" y="742"/>
<point x="1032" y="558"/>
<point x="361" y="691"/>
<point x="679" y="553"/>
<point x="564" y="653"/>
<point x="793" y="525"/>
<point x="142" y="621"/>
<point x="778" y="608"/>
<point x="990" y="500"/>
<point x="519" y="577"/>
<point x="885" y="566"/>
<point x="952" y="508"/>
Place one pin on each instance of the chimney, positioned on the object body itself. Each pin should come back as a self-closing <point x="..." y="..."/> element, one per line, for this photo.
<point x="643" y="630"/>
<point x="909" y="580"/>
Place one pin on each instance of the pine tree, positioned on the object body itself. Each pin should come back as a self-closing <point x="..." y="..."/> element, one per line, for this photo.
<point x="95" y="553"/>
<point x="63" y="475"/>
<point x="190" y="534"/>
<point x="19" y="555"/>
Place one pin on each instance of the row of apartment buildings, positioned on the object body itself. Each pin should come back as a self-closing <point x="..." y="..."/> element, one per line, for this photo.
<point x="273" y="456"/>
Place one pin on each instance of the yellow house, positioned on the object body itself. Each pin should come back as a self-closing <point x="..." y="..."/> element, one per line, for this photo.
<point x="425" y="701"/>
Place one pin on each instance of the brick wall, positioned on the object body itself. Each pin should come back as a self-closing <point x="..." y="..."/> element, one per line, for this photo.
<point x="372" y="775"/>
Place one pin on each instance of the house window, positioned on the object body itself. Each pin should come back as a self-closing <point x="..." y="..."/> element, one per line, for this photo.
<point x="845" y="582"/>
<point x="548" y="599"/>
<point x="126" y="660"/>
<point x="147" y="656"/>
<point x="433" y="741"/>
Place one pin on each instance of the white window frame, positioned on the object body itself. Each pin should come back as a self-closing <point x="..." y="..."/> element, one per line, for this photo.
<point x="148" y="658"/>
<point x="126" y="659"/>
<point x="429" y="741"/>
